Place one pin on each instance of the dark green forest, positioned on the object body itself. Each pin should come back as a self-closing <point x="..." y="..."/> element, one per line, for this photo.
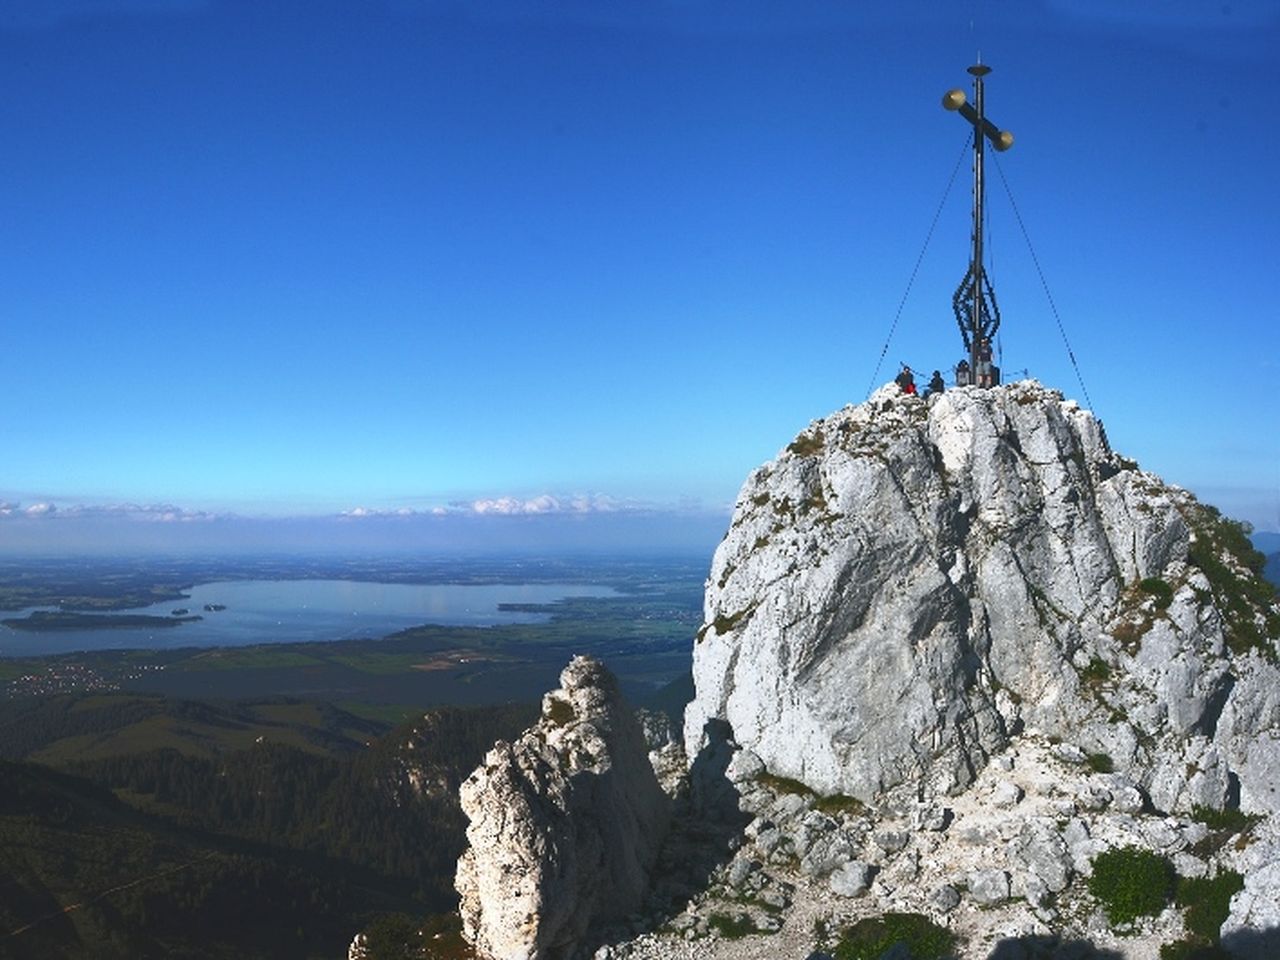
<point x="285" y="848"/>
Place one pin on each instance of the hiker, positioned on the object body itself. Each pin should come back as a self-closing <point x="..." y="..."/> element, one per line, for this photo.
<point x="963" y="378"/>
<point x="906" y="380"/>
<point x="935" y="384"/>
<point x="984" y="362"/>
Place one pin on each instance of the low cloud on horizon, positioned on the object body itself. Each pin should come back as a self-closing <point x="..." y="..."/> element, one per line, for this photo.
<point x="542" y="522"/>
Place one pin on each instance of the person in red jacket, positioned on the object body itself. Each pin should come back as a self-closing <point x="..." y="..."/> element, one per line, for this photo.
<point x="906" y="380"/>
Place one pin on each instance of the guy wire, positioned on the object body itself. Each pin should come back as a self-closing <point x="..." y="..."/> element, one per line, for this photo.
<point x="916" y="269"/>
<point x="1045" y="284"/>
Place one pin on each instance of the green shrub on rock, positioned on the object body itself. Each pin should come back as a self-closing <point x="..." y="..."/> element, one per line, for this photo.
<point x="732" y="927"/>
<point x="1131" y="882"/>
<point x="1208" y="903"/>
<point x="1242" y="600"/>
<point x="1159" y="589"/>
<point x="924" y="940"/>
<point x="1100" y="763"/>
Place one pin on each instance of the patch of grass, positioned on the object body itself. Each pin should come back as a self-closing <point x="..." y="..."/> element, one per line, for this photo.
<point x="783" y="784"/>
<point x="247" y="658"/>
<point x="1044" y="606"/>
<point x="392" y="713"/>
<point x="732" y="928"/>
<point x="1223" y="825"/>
<point x="1130" y="633"/>
<point x="807" y="444"/>
<point x="1100" y="763"/>
<point x="1096" y="673"/>
<point x="1131" y="882"/>
<point x="1233" y="819"/>
<point x="815" y="501"/>
<point x="384" y="664"/>
<point x="728" y="572"/>
<point x="869" y="939"/>
<point x="1159" y="589"/>
<point x="725" y="624"/>
<point x="840" y="803"/>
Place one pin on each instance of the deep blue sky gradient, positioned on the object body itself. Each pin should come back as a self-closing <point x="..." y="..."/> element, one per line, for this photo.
<point x="289" y="259"/>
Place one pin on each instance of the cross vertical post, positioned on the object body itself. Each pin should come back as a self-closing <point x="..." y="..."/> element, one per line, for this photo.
<point x="974" y="302"/>
<point x="979" y="71"/>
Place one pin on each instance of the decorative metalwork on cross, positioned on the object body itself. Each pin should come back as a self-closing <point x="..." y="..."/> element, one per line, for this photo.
<point x="974" y="301"/>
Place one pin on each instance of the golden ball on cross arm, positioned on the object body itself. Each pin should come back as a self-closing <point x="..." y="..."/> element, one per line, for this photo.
<point x="953" y="99"/>
<point x="1004" y="141"/>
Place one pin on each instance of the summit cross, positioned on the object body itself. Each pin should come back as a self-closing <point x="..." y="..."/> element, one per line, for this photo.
<point x="974" y="301"/>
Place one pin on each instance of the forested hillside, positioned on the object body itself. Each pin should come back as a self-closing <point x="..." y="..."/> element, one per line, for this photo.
<point x="160" y="847"/>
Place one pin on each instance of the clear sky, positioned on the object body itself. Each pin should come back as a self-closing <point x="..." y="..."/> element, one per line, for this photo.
<point x="582" y="265"/>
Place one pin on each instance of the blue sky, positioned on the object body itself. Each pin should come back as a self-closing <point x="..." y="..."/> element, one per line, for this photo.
<point x="332" y="261"/>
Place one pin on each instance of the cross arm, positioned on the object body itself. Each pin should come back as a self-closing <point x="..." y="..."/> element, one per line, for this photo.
<point x="1000" y="139"/>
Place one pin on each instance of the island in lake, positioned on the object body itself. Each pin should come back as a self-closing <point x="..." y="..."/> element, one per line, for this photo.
<point x="46" y="621"/>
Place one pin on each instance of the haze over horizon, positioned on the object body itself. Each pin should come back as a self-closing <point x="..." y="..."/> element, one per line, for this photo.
<point x="401" y="275"/>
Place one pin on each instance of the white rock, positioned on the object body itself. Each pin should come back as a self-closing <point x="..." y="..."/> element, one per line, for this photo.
<point x="744" y="766"/>
<point x="946" y="898"/>
<point x="1006" y="794"/>
<point x="907" y="584"/>
<point x="1127" y="799"/>
<point x="989" y="886"/>
<point x="565" y="824"/>
<point x="851" y="879"/>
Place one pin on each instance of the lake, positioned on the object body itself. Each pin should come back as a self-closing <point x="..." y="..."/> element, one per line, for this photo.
<point x="296" y="611"/>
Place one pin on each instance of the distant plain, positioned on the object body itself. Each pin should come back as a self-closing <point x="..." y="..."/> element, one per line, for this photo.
<point x="639" y="615"/>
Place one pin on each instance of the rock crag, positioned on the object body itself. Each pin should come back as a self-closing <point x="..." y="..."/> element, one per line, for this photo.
<point x="911" y="583"/>
<point x="566" y="825"/>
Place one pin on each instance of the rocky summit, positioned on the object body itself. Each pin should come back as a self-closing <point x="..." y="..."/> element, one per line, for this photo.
<point x="968" y="680"/>
<point x="912" y="582"/>
<point x="565" y="824"/>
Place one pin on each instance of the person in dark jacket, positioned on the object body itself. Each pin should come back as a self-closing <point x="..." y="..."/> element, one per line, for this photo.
<point x="906" y="380"/>
<point x="984" y="363"/>
<point x="935" y="384"/>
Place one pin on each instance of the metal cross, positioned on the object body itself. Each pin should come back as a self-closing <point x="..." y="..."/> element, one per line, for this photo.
<point x="974" y="301"/>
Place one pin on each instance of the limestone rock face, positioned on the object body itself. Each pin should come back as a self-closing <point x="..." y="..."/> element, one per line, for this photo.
<point x="910" y="583"/>
<point x="566" y="823"/>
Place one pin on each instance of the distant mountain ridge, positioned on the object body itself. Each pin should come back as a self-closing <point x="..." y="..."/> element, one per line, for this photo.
<point x="1269" y="544"/>
<point x="1266" y="541"/>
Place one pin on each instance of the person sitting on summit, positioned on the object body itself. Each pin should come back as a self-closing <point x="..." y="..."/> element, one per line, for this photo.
<point x="906" y="380"/>
<point x="935" y="385"/>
